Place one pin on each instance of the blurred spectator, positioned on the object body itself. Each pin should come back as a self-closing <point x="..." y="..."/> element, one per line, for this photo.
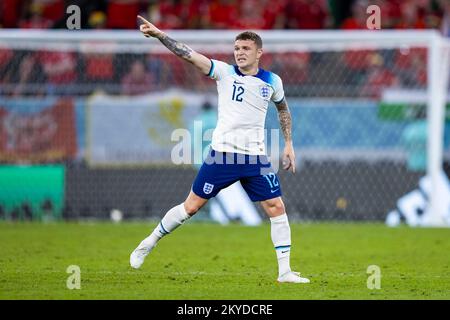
<point x="98" y="67"/>
<point x="411" y="66"/>
<point x="434" y="18"/>
<point x="192" y="12"/>
<point x="177" y="70"/>
<point x="292" y="67"/>
<point x="52" y="10"/>
<point x="59" y="66"/>
<point x="178" y="14"/>
<point x="445" y="23"/>
<point x="399" y="14"/>
<point x="228" y="14"/>
<point x="160" y="70"/>
<point x="122" y="14"/>
<point x="358" y="17"/>
<point x="413" y="16"/>
<point x="6" y="56"/>
<point x="10" y="11"/>
<point x="222" y="14"/>
<point x="379" y="77"/>
<point x="30" y="77"/>
<point x="391" y="13"/>
<point x="359" y="60"/>
<point x="97" y="20"/>
<point x="252" y="16"/>
<point x="34" y="18"/>
<point x="138" y="80"/>
<point x="256" y="15"/>
<point x="166" y="15"/>
<point x="275" y="14"/>
<point x="306" y="14"/>
<point x="98" y="62"/>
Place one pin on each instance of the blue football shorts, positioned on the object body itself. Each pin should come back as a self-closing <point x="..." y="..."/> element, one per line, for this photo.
<point x="222" y="169"/>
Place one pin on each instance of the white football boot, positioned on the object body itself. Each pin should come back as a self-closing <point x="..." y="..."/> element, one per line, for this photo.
<point x="292" y="277"/>
<point x="138" y="255"/>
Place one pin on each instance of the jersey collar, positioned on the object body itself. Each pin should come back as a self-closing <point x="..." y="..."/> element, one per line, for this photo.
<point x="262" y="74"/>
<point x="258" y="75"/>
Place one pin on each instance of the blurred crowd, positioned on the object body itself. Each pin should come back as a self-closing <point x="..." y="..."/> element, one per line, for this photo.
<point x="363" y="73"/>
<point x="45" y="72"/>
<point x="226" y="14"/>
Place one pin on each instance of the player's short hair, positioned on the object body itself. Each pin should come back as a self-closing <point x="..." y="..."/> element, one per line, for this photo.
<point x="250" y="35"/>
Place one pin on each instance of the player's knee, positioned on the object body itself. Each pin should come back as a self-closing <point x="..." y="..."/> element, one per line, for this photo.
<point x="193" y="203"/>
<point x="276" y="207"/>
<point x="191" y="208"/>
<point x="279" y="208"/>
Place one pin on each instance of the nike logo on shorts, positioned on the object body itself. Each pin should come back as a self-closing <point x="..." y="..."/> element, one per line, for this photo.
<point x="274" y="190"/>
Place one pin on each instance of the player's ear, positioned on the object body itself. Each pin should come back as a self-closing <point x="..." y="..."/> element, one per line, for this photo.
<point x="259" y="53"/>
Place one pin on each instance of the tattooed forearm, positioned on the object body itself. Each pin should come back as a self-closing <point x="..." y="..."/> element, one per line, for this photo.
<point x="284" y="116"/>
<point x="180" y="49"/>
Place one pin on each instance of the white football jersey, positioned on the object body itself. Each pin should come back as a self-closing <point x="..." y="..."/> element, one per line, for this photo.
<point x="242" y="108"/>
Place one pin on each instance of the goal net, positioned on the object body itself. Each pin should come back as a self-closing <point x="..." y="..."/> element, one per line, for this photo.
<point x="91" y="122"/>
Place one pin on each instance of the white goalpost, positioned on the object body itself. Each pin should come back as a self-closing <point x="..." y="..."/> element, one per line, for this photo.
<point x="438" y="74"/>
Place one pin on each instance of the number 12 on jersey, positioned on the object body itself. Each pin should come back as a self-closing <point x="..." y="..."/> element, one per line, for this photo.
<point x="237" y="93"/>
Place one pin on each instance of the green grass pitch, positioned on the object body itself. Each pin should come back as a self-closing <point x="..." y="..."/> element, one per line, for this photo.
<point x="208" y="261"/>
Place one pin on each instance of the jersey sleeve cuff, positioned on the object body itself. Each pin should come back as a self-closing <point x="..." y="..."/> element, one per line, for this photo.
<point x="279" y="100"/>
<point x="211" y="70"/>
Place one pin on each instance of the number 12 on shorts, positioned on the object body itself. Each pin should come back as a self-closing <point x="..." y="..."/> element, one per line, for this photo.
<point x="272" y="180"/>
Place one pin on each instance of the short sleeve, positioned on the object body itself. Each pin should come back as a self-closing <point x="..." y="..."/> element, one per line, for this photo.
<point x="219" y="69"/>
<point x="278" y="91"/>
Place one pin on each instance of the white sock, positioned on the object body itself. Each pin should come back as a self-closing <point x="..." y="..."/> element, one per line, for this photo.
<point x="281" y="238"/>
<point x="174" y="218"/>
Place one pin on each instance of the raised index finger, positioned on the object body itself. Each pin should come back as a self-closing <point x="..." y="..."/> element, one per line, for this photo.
<point x="143" y="20"/>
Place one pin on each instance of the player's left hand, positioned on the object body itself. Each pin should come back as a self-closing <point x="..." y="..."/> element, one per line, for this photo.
<point x="289" y="158"/>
